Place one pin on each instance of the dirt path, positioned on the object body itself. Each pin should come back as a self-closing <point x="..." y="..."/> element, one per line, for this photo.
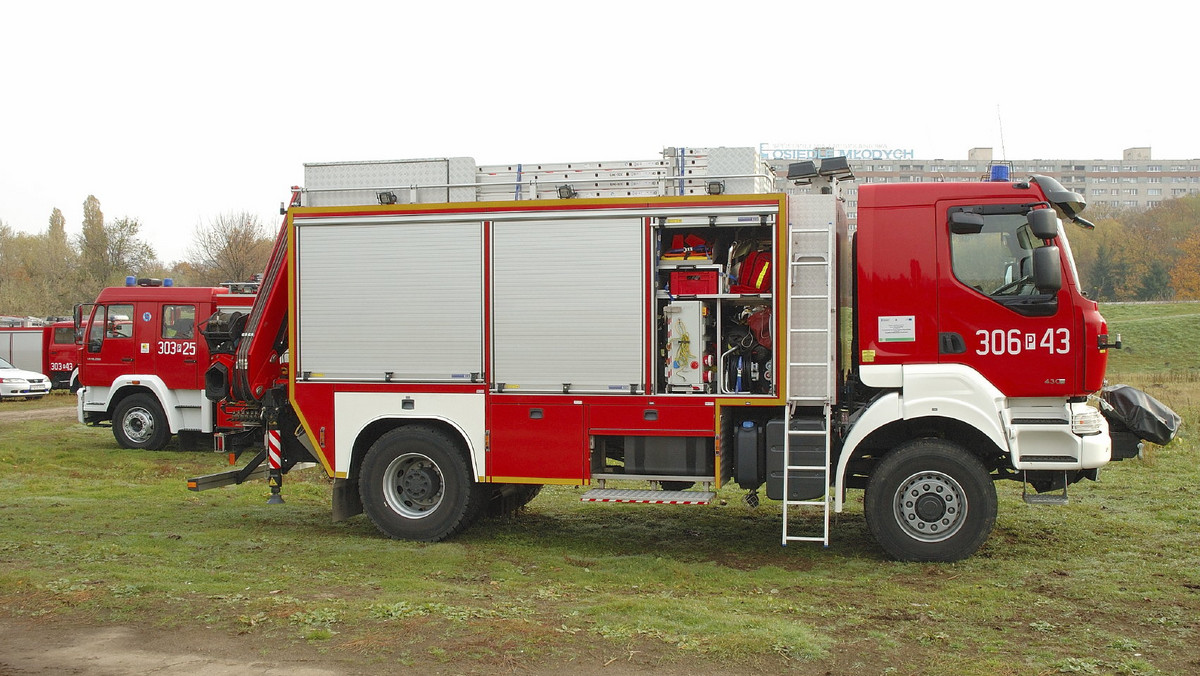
<point x="32" y="647"/>
<point x="21" y="415"/>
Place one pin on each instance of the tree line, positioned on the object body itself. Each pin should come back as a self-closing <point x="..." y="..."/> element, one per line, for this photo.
<point x="45" y="274"/>
<point x="1149" y="255"/>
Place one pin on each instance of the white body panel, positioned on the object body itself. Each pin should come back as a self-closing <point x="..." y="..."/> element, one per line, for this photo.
<point x="957" y="392"/>
<point x="184" y="409"/>
<point x="353" y="411"/>
<point x="22" y="347"/>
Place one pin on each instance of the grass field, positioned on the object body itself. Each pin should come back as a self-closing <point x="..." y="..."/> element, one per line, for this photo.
<point x="1110" y="584"/>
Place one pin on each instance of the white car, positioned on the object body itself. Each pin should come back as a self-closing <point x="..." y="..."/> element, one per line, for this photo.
<point x="15" y="382"/>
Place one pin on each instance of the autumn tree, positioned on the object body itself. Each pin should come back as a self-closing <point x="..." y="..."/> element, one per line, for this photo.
<point x="1185" y="276"/>
<point x="126" y="253"/>
<point x="93" y="242"/>
<point x="233" y="247"/>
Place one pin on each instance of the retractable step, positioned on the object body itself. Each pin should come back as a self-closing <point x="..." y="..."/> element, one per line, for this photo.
<point x="647" y="497"/>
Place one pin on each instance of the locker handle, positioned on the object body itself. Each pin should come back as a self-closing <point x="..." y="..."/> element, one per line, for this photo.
<point x="535" y="414"/>
<point x="650" y="414"/>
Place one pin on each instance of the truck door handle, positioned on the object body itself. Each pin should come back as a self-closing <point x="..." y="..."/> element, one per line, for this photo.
<point x="127" y="359"/>
<point x="950" y="342"/>
<point x="650" y="414"/>
<point x="535" y="414"/>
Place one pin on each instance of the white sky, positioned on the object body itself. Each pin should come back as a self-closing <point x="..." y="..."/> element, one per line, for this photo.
<point x="175" y="113"/>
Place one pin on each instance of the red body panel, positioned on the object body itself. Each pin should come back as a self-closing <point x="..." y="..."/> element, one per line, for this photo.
<point x="145" y="341"/>
<point x="61" y="351"/>
<point x="905" y="273"/>
<point x="541" y="437"/>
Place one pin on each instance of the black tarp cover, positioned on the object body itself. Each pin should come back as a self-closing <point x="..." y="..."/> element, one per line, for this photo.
<point x="1148" y="418"/>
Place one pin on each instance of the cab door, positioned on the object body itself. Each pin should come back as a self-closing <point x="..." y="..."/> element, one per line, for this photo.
<point x="109" y="349"/>
<point x="174" y="345"/>
<point x="992" y="316"/>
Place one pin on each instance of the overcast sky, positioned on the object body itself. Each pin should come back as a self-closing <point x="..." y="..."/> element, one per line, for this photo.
<point x="175" y="113"/>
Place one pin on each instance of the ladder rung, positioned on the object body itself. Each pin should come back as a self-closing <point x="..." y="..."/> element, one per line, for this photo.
<point x="799" y="538"/>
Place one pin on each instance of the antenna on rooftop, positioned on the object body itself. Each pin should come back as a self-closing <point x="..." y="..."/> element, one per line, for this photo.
<point x="1000" y="120"/>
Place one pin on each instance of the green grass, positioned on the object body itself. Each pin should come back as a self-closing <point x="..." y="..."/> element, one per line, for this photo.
<point x="1160" y="338"/>
<point x="93" y="534"/>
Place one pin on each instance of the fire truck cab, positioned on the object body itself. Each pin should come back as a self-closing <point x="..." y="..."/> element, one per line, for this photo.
<point x="142" y="361"/>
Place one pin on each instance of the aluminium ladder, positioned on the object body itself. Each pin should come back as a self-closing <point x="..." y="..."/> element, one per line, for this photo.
<point x="812" y="311"/>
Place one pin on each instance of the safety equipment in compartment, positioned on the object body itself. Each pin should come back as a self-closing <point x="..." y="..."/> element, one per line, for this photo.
<point x="750" y="268"/>
<point x="746" y="361"/>
<point x="688" y="248"/>
<point x="689" y="347"/>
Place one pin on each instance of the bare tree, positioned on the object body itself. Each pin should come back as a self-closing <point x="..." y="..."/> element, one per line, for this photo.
<point x="232" y="248"/>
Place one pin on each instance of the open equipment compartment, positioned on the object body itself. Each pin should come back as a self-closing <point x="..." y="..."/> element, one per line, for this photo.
<point x="714" y="304"/>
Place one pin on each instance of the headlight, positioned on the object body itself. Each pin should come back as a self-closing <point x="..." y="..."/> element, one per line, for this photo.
<point x="1087" y="422"/>
<point x="14" y="381"/>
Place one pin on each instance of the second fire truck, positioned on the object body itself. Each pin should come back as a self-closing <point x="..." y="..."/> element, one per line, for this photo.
<point x="142" y="362"/>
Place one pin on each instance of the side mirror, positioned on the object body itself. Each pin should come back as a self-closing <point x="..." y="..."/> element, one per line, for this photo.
<point x="1047" y="268"/>
<point x="966" y="223"/>
<point x="1043" y="223"/>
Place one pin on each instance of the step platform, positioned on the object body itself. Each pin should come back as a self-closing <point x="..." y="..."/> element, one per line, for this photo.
<point x="647" y="497"/>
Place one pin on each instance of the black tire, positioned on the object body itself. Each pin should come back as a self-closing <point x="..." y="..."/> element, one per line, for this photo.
<point x="139" y="422"/>
<point x="930" y="500"/>
<point x="415" y="484"/>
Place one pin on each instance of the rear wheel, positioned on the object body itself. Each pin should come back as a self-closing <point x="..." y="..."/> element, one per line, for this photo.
<point x="415" y="484"/>
<point x="139" y="422"/>
<point x="930" y="500"/>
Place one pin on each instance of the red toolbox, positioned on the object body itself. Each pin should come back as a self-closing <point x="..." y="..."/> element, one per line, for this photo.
<point x="694" y="282"/>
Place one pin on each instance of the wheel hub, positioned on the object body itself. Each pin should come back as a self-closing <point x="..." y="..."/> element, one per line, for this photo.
<point x="413" y="485"/>
<point x="420" y="482"/>
<point x="930" y="506"/>
<point x="138" y="425"/>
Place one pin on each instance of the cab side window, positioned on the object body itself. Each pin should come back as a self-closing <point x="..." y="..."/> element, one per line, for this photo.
<point x="120" y="321"/>
<point x="178" y="322"/>
<point x="109" y="323"/>
<point x="994" y="256"/>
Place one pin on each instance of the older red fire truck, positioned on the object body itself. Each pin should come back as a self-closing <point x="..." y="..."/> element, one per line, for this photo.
<point x="686" y="322"/>
<point x="46" y="347"/>
<point x="141" y="366"/>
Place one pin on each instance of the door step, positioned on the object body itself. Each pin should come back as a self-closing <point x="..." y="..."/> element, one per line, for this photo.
<point x="1045" y="498"/>
<point x="649" y="497"/>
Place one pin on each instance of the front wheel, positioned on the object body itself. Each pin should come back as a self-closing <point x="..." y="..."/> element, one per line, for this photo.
<point x="415" y="484"/>
<point x="139" y="422"/>
<point x="930" y="500"/>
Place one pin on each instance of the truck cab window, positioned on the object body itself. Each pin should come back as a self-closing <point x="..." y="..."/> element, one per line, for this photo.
<point x="997" y="261"/>
<point x="178" y="322"/>
<point x="110" y="322"/>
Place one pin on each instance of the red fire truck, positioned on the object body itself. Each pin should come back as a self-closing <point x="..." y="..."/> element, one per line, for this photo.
<point x="685" y="323"/>
<point x="142" y="362"/>
<point x="50" y="349"/>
